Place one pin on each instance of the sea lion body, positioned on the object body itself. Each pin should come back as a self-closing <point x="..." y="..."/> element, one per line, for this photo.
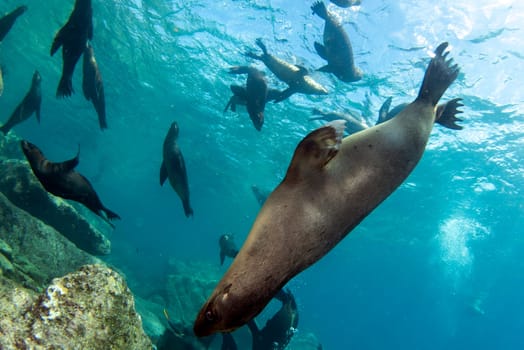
<point x="63" y="181"/>
<point x="330" y="187"/>
<point x="92" y="85"/>
<point x="295" y="76"/>
<point x="73" y="37"/>
<point x="353" y="124"/>
<point x="7" y="22"/>
<point x="173" y="168"/>
<point x="337" y="49"/>
<point x="256" y="93"/>
<point x="227" y="247"/>
<point x="280" y="328"/>
<point x="29" y="105"/>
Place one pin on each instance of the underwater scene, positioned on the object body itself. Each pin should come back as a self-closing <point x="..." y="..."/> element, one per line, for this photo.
<point x="261" y="174"/>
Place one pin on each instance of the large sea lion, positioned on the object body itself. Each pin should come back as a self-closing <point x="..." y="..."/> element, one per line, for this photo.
<point x="62" y="180"/>
<point x="337" y="49"/>
<point x="446" y="114"/>
<point x="93" y="86"/>
<point x="173" y="168"/>
<point x="240" y="96"/>
<point x="295" y="76"/>
<point x="331" y="185"/>
<point x="8" y="20"/>
<point x="72" y="37"/>
<point x="280" y="328"/>
<point x="256" y="97"/>
<point x="29" y="105"/>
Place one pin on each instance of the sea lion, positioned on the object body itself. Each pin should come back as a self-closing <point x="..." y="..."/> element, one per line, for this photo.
<point x="173" y="168"/>
<point x="29" y="105"/>
<point x="446" y="114"/>
<point x="353" y="124"/>
<point x="8" y="20"/>
<point x="260" y="195"/>
<point x="280" y="328"/>
<point x="227" y="247"/>
<point x="331" y="185"/>
<point x="337" y="49"/>
<point x="293" y="75"/>
<point x="256" y="88"/>
<point x="93" y="86"/>
<point x="62" y="180"/>
<point x="346" y="3"/>
<point x="73" y="38"/>
<point x="240" y="97"/>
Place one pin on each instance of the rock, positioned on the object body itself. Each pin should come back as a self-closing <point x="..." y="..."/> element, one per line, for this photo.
<point x="23" y="189"/>
<point x="36" y="251"/>
<point x="10" y="147"/>
<point x="91" y="308"/>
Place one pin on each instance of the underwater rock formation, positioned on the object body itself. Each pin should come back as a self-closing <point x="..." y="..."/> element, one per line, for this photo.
<point x="91" y="308"/>
<point x="33" y="253"/>
<point x="10" y="147"/>
<point x="23" y="189"/>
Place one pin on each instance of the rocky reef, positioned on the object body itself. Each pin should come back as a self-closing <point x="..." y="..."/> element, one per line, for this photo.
<point x="91" y="308"/>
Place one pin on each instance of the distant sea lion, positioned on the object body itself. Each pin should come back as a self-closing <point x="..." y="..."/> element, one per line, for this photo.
<point x="62" y="180"/>
<point x="331" y="185"/>
<point x="29" y="105"/>
<point x="256" y="88"/>
<point x="446" y="114"/>
<point x="8" y="20"/>
<point x="353" y="124"/>
<point x="173" y="168"/>
<point x="260" y="195"/>
<point x="227" y="247"/>
<point x="73" y="38"/>
<point x="280" y="328"/>
<point x="295" y="76"/>
<point x="337" y="49"/>
<point x="240" y="97"/>
<point x="346" y="3"/>
<point x="93" y="86"/>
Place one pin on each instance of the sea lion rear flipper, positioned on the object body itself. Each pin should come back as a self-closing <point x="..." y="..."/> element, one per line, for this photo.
<point x="384" y="110"/>
<point x="111" y="215"/>
<point x="321" y="50"/>
<point x="163" y="173"/>
<point x="315" y="150"/>
<point x="253" y="327"/>
<point x="230" y="104"/>
<point x="260" y="44"/>
<point x="446" y="114"/>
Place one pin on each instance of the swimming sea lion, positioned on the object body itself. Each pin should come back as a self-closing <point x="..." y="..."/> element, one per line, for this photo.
<point x="280" y="328"/>
<point x="93" y="86"/>
<point x="353" y="124"/>
<point x="227" y="247"/>
<point x="29" y="105"/>
<point x="337" y="49"/>
<point x="240" y="97"/>
<point x="446" y="114"/>
<point x="73" y="38"/>
<point x="256" y="88"/>
<point x="62" y="180"/>
<point x="173" y="168"/>
<point x="8" y="20"/>
<point x="260" y="195"/>
<point x="331" y="185"/>
<point x="346" y="3"/>
<point x="295" y="76"/>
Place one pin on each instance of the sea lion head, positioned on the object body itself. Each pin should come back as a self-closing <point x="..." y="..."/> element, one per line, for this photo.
<point x="222" y="313"/>
<point x="37" y="78"/>
<point x="173" y="130"/>
<point x="258" y="120"/>
<point x="31" y="152"/>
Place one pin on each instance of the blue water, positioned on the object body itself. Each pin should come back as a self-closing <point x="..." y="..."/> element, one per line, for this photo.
<point x="437" y="265"/>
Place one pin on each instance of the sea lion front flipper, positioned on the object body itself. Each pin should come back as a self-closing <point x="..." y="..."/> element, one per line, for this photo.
<point x="446" y="114"/>
<point x="302" y="70"/>
<point x="321" y="50"/>
<point x="163" y="173"/>
<point x="315" y="150"/>
<point x="384" y="110"/>
<point x="70" y="164"/>
<point x="57" y="42"/>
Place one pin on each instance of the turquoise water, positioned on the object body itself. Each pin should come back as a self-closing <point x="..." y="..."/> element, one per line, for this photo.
<point x="438" y="264"/>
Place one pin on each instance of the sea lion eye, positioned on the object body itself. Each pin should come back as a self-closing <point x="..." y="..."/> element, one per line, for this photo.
<point x="210" y="316"/>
